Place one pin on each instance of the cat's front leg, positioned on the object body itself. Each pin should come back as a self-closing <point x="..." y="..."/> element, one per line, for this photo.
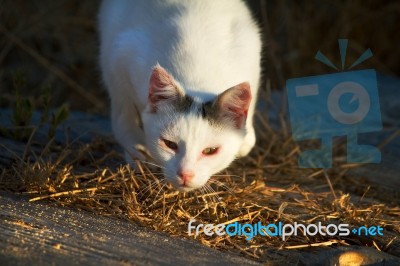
<point x="248" y="142"/>
<point x="127" y="131"/>
<point x="250" y="137"/>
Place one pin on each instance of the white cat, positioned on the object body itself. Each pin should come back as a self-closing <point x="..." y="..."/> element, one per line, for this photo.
<point x="183" y="77"/>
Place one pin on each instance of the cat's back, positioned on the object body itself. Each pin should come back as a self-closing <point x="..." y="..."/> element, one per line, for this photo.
<point x="205" y="44"/>
<point x="122" y="14"/>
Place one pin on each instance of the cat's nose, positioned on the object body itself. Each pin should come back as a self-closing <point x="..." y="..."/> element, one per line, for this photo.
<point x="185" y="176"/>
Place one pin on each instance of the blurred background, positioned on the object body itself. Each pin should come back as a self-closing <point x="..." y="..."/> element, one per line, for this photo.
<point x="53" y="45"/>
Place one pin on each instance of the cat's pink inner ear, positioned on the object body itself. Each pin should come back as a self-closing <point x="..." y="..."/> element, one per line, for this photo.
<point x="234" y="103"/>
<point x="162" y="88"/>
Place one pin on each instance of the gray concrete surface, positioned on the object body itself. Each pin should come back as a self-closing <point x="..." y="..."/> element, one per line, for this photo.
<point x="43" y="234"/>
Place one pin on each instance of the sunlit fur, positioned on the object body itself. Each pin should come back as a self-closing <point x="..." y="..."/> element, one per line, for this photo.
<point x="192" y="134"/>
<point x="207" y="46"/>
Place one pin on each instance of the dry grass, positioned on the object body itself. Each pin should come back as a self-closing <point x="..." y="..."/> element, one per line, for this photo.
<point x="266" y="186"/>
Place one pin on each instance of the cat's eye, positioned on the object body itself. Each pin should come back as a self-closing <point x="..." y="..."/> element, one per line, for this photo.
<point x="210" y="150"/>
<point x="170" y="144"/>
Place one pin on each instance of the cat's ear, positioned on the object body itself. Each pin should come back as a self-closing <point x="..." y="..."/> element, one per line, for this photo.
<point x="163" y="89"/>
<point x="234" y="103"/>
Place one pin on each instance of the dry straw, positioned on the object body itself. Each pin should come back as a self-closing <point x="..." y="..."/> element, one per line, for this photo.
<point x="266" y="187"/>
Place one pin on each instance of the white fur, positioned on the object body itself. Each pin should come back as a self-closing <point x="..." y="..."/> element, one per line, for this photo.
<point x="208" y="46"/>
<point x="192" y="134"/>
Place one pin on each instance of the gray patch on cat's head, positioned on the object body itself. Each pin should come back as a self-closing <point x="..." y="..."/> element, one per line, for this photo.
<point x="207" y="111"/>
<point x="184" y="104"/>
<point x="210" y="112"/>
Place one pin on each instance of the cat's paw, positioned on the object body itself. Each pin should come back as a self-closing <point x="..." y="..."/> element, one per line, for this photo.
<point x="248" y="143"/>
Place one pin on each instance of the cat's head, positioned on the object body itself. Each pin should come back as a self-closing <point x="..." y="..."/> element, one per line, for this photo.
<point x="193" y="140"/>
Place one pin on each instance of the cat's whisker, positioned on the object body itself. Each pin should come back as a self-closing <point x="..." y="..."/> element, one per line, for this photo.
<point x="156" y="197"/>
<point x="220" y="184"/>
<point x="160" y="187"/>
<point x="145" y="190"/>
<point x="216" y="199"/>
<point x="151" y="185"/>
<point x="157" y="173"/>
<point x="152" y="164"/>
<point x="203" y="194"/>
<point x="146" y="162"/>
<point x="219" y="203"/>
<point x="237" y="176"/>
<point x="208" y="194"/>
<point x="154" y="182"/>
<point x="211" y="193"/>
